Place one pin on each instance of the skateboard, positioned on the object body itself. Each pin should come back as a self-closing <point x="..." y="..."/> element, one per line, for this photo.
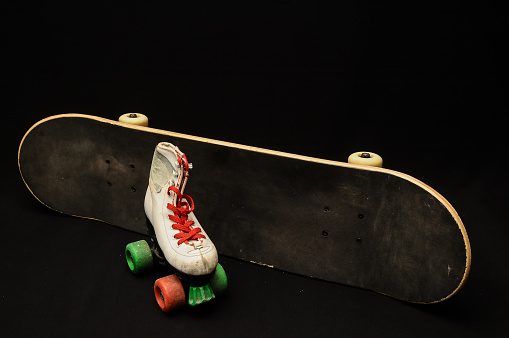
<point x="353" y="224"/>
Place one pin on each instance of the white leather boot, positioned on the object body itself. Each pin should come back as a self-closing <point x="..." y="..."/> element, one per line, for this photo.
<point x="182" y="240"/>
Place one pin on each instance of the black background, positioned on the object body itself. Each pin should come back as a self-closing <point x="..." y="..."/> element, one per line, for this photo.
<point x="423" y="85"/>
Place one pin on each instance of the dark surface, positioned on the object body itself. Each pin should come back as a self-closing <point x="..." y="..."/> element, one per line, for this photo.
<point x="362" y="228"/>
<point x="424" y="86"/>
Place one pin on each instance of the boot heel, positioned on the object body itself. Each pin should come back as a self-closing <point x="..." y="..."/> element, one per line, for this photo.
<point x="154" y="246"/>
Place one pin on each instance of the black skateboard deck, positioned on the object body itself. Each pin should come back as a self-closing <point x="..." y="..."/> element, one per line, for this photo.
<point x="362" y="226"/>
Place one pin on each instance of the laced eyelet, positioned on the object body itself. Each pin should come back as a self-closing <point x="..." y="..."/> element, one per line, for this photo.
<point x="183" y="206"/>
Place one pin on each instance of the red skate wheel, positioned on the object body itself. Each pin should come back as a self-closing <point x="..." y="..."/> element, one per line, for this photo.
<point x="169" y="293"/>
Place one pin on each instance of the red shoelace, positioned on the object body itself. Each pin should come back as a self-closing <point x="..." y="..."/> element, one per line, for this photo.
<point x="180" y="214"/>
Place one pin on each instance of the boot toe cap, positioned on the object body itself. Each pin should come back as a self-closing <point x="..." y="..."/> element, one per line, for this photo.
<point x="197" y="262"/>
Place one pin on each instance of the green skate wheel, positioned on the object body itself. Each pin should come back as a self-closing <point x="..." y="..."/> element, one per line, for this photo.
<point x="138" y="256"/>
<point x="169" y="292"/>
<point x="219" y="282"/>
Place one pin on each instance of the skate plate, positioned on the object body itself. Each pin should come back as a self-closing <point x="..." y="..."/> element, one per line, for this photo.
<point x="362" y="226"/>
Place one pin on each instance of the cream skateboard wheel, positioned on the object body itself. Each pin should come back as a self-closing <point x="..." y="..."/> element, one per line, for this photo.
<point x="366" y="158"/>
<point x="134" y="118"/>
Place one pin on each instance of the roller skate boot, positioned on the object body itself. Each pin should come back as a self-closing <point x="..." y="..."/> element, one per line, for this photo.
<point x="182" y="240"/>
